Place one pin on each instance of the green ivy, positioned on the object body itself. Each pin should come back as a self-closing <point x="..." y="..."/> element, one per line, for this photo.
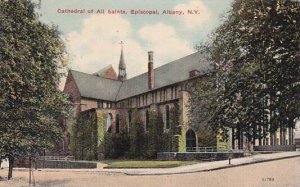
<point x="116" y="145"/>
<point x="92" y="140"/>
<point x="85" y="136"/>
<point x="101" y="129"/>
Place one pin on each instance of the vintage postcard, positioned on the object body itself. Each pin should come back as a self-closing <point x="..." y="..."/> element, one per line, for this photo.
<point x="150" y="93"/>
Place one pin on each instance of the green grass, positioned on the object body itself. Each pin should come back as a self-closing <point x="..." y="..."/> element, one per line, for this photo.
<point x="145" y="163"/>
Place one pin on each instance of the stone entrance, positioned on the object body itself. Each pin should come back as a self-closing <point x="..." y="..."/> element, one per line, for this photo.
<point x="191" y="141"/>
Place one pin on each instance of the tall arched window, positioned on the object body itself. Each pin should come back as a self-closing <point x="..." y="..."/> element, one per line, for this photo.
<point x="191" y="140"/>
<point x="117" y="123"/>
<point x="147" y="120"/>
<point x="167" y="117"/>
<point x="109" y="119"/>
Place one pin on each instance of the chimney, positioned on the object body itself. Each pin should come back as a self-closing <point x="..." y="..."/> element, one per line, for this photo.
<point x="150" y="71"/>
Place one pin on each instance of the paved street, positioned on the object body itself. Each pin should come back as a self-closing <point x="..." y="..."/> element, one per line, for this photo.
<point x="280" y="173"/>
<point x="207" y="166"/>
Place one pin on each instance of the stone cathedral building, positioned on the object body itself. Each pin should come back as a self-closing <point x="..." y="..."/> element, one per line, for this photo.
<point x="113" y="96"/>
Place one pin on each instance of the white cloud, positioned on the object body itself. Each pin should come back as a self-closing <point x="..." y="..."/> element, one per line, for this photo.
<point x="97" y="45"/>
<point x="165" y="42"/>
<point x="192" y="21"/>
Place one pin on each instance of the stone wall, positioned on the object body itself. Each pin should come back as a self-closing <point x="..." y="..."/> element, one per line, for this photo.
<point x="275" y="148"/>
<point x="73" y="92"/>
<point x="297" y="143"/>
<point x="87" y="104"/>
<point x="65" y="164"/>
<point x="198" y="156"/>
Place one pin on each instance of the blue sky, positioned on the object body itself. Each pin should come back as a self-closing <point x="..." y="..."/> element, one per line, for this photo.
<point x="93" y="40"/>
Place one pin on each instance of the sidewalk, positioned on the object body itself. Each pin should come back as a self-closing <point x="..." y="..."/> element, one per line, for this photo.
<point x="209" y="166"/>
<point x="201" y="167"/>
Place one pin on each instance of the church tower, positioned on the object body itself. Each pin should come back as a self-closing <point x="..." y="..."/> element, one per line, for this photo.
<point x="122" y="67"/>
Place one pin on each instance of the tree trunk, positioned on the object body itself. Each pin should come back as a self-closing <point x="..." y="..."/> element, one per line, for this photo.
<point x="275" y="138"/>
<point x="242" y="140"/>
<point x="10" y="168"/>
<point x="290" y="136"/>
<point x="239" y="138"/>
<point x="233" y="138"/>
<point x="260" y="135"/>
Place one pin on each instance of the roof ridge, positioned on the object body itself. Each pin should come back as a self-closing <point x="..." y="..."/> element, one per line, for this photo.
<point x="95" y="75"/>
<point x="163" y="65"/>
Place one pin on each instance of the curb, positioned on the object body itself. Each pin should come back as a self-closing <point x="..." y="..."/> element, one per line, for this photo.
<point x="214" y="169"/>
<point x="170" y="173"/>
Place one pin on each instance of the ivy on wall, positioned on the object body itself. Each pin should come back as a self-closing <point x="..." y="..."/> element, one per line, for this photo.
<point x="116" y="145"/>
<point x="85" y="137"/>
<point x="101" y="130"/>
<point x="91" y="141"/>
<point x="178" y="131"/>
<point x="136" y="137"/>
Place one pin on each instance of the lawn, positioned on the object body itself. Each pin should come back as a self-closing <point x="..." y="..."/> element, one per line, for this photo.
<point x="145" y="163"/>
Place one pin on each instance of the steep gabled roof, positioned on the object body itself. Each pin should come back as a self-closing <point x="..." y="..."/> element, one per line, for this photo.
<point x="92" y="86"/>
<point x="171" y="73"/>
<point x="96" y="87"/>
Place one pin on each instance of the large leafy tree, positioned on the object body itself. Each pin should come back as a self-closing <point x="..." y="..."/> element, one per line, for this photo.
<point x="31" y="57"/>
<point x="256" y="52"/>
<point x="202" y="105"/>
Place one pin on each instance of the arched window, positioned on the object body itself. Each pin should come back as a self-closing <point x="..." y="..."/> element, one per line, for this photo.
<point x="109" y="119"/>
<point x="147" y="120"/>
<point x="117" y="123"/>
<point x="191" y="141"/>
<point x="167" y="117"/>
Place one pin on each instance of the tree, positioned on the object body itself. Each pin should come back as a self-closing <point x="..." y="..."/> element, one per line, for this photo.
<point x="32" y="55"/>
<point x="256" y="51"/>
<point x="202" y="105"/>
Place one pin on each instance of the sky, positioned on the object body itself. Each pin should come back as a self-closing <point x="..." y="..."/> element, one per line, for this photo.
<point x="93" y="40"/>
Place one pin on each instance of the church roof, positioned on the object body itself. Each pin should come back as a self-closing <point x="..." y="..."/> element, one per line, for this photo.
<point x="107" y="72"/>
<point x="102" y="71"/>
<point x="92" y="86"/>
<point x="168" y="74"/>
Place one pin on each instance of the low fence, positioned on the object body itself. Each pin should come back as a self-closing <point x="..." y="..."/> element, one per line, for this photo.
<point x="65" y="158"/>
<point x="205" y="156"/>
<point x="275" y="148"/>
<point x="65" y="164"/>
<point x="202" y="149"/>
<point x="59" y="162"/>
